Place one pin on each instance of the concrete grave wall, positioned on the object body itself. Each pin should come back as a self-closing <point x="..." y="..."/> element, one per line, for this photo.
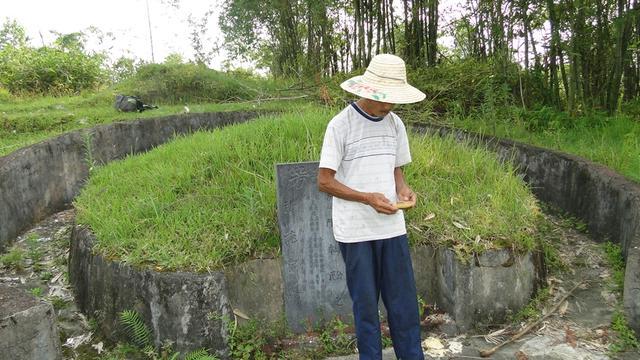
<point x="28" y="328"/>
<point x="192" y="310"/>
<point x="608" y="202"/>
<point x="41" y="179"/>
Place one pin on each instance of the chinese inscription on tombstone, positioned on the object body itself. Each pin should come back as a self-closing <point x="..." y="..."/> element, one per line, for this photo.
<point x="315" y="287"/>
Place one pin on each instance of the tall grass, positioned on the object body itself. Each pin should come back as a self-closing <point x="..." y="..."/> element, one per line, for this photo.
<point x="610" y="141"/>
<point x="26" y="121"/>
<point x="208" y="200"/>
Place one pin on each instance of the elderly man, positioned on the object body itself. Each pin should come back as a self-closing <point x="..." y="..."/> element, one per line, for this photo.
<point x="364" y="149"/>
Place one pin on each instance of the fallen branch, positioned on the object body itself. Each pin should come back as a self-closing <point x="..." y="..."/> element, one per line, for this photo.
<point x="489" y="352"/>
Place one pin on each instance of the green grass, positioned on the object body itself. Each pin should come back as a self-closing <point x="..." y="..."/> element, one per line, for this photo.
<point x="615" y="260"/>
<point x="610" y="141"/>
<point x="14" y="259"/>
<point x="626" y="337"/>
<point x="205" y="201"/>
<point x="27" y="121"/>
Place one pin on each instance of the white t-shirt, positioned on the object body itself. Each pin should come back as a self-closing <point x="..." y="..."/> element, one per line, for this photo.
<point x="364" y="151"/>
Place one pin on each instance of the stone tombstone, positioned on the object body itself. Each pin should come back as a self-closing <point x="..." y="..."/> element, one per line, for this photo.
<point x="315" y="288"/>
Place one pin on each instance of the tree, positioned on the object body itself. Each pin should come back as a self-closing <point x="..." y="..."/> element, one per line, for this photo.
<point x="12" y="34"/>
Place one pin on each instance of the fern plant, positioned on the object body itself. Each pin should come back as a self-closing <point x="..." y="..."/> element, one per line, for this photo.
<point x="135" y="328"/>
<point x="140" y="335"/>
<point x="200" y="354"/>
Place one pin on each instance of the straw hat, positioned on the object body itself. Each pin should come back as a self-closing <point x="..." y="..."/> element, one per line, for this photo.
<point x="384" y="80"/>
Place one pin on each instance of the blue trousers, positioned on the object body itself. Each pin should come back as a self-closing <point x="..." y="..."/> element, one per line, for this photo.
<point x="383" y="267"/>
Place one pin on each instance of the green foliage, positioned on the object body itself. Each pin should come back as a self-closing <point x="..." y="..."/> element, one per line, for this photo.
<point x="533" y="308"/>
<point x="246" y="342"/>
<point x="615" y="260"/>
<point x="626" y="339"/>
<point x="122" y="69"/>
<point x="14" y="259"/>
<point x="36" y="291"/>
<point x="201" y="354"/>
<point x="335" y="340"/>
<point x="49" y="70"/>
<point x="12" y="34"/>
<point x="35" y="253"/>
<point x="140" y="335"/>
<point x="135" y="328"/>
<point x="5" y="96"/>
<point x="189" y="83"/>
<point x="27" y="121"/>
<point x="610" y="141"/>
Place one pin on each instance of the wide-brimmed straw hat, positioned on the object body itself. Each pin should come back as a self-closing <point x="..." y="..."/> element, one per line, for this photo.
<point x="384" y="80"/>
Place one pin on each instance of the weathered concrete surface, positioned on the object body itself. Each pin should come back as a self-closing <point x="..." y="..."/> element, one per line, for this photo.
<point x="42" y="179"/>
<point x="27" y="327"/>
<point x="608" y="202"/>
<point x="255" y="289"/>
<point x="474" y="293"/>
<point x="549" y="348"/>
<point x="192" y="310"/>
<point x="631" y="298"/>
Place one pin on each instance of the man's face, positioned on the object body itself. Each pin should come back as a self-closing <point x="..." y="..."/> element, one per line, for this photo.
<point x="379" y="108"/>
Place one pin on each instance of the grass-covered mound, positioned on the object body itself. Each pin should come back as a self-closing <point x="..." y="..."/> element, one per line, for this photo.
<point x="192" y="83"/>
<point x="208" y="200"/>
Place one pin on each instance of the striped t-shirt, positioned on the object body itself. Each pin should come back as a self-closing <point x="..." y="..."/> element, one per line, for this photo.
<point x="364" y="151"/>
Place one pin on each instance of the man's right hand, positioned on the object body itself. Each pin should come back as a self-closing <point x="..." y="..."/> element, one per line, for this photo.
<point x="381" y="204"/>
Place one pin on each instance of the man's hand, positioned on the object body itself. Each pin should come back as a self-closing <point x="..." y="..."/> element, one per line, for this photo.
<point x="407" y="195"/>
<point x="381" y="204"/>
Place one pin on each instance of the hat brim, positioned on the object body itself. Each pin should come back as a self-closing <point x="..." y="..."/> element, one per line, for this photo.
<point x="404" y="94"/>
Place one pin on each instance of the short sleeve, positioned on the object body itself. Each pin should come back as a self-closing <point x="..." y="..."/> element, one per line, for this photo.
<point x="332" y="148"/>
<point x="403" y="154"/>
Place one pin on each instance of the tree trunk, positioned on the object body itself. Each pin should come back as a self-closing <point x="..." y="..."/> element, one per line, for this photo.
<point x="615" y="75"/>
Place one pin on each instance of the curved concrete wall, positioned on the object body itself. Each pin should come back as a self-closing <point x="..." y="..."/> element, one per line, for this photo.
<point x="41" y="179"/>
<point x="187" y="308"/>
<point x="607" y="201"/>
<point x="192" y="310"/>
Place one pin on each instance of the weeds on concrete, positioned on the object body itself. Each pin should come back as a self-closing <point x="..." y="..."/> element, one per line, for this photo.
<point x="616" y="262"/>
<point x="14" y="259"/>
<point x="140" y="337"/>
<point x="533" y="309"/>
<point x="626" y="339"/>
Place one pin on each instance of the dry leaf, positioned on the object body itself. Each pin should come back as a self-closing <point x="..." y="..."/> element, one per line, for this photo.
<point x="521" y="356"/>
<point x="430" y="216"/>
<point x="460" y="226"/>
<point x="432" y="343"/>
<point x="240" y="314"/>
<point x="563" y="308"/>
<point x="570" y="337"/>
<point x="99" y="347"/>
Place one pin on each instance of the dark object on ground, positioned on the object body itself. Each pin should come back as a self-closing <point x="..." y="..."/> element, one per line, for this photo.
<point x="128" y="103"/>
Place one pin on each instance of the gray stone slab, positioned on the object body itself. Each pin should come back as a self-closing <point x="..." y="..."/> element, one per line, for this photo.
<point x="255" y="289"/>
<point x="27" y="327"/>
<point x="315" y="288"/>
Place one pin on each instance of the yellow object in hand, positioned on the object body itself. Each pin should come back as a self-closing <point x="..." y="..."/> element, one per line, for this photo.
<point x="403" y="205"/>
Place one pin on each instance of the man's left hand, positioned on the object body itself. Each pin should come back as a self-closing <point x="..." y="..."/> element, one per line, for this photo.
<point x="407" y="195"/>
